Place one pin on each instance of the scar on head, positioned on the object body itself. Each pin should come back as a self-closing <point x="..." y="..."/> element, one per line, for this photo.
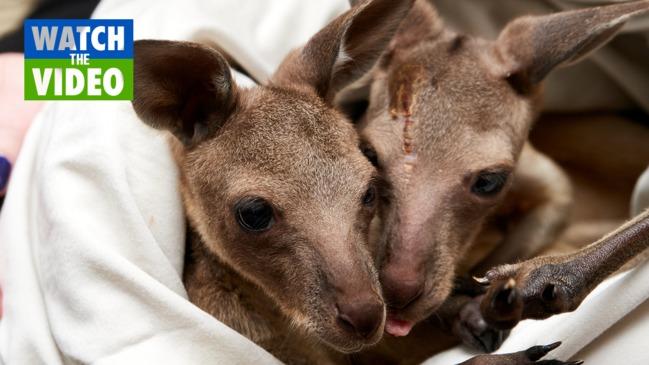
<point x="401" y="105"/>
<point x="401" y="87"/>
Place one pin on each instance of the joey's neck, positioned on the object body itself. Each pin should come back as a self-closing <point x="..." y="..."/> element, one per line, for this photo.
<point x="218" y="289"/>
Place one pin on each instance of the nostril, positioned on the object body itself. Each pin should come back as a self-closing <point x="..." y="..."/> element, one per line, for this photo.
<point x="346" y="323"/>
<point x="360" y="318"/>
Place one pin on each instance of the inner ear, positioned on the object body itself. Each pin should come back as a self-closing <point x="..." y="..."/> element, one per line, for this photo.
<point x="529" y="48"/>
<point x="345" y="49"/>
<point x="182" y="87"/>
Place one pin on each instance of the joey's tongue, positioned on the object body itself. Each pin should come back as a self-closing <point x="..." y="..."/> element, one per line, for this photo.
<point x="397" y="327"/>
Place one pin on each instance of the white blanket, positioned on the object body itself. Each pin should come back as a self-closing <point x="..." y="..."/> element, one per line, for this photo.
<point x="92" y="231"/>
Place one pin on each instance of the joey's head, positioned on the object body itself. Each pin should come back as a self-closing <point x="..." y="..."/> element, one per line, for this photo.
<point x="447" y="119"/>
<point x="272" y="177"/>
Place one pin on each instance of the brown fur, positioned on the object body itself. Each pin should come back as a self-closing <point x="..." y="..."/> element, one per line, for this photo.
<point x="303" y="286"/>
<point x="548" y="285"/>
<point x="444" y="107"/>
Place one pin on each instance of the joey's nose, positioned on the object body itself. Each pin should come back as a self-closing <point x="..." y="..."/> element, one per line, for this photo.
<point x="401" y="292"/>
<point x="360" y="317"/>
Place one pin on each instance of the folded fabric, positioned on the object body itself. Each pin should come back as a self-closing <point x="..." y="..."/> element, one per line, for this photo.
<point x="92" y="232"/>
<point x="591" y="333"/>
<point x="640" y="199"/>
<point x="615" y="77"/>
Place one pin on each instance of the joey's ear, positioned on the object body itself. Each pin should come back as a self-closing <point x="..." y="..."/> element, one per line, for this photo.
<point x="530" y="47"/>
<point x="345" y="49"/>
<point x="182" y="87"/>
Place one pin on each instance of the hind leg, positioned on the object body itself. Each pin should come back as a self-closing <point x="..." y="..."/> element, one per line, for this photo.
<point x="544" y="286"/>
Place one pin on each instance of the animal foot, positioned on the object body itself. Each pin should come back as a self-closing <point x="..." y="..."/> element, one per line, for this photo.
<point x="532" y="289"/>
<point x="528" y="357"/>
<point x="470" y="327"/>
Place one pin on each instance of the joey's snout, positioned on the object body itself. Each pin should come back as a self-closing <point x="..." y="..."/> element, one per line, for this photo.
<point x="402" y="275"/>
<point x="416" y="278"/>
<point x="361" y="315"/>
<point x="402" y="286"/>
<point x="358" y="307"/>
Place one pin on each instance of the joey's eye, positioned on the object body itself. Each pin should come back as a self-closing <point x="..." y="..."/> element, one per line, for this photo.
<point x="254" y="214"/>
<point x="370" y="154"/>
<point x="488" y="184"/>
<point x="370" y="196"/>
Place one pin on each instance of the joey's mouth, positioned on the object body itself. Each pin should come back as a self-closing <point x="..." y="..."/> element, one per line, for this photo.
<point x="397" y="327"/>
<point x="401" y="321"/>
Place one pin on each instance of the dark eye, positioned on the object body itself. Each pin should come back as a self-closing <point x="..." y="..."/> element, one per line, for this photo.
<point x="370" y="154"/>
<point x="370" y="196"/>
<point x="254" y="214"/>
<point x="488" y="184"/>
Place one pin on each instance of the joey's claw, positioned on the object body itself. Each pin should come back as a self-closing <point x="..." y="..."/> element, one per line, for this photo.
<point x="481" y="281"/>
<point x="537" y="352"/>
<point x="530" y="356"/>
<point x="474" y="331"/>
<point x="530" y="290"/>
<point x="502" y="306"/>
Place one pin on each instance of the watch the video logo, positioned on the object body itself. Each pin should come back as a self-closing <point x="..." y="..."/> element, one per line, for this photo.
<point x="80" y="59"/>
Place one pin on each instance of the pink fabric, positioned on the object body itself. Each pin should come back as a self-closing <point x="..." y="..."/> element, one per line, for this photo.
<point x="16" y="114"/>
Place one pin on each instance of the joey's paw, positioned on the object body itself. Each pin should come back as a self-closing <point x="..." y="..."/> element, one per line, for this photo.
<point x="552" y="289"/>
<point x="502" y="305"/>
<point x="522" y="291"/>
<point x="470" y="327"/>
<point x="530" y="356"/>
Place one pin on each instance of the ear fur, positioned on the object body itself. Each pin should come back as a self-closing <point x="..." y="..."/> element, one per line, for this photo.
<point x="423" y="23"/>
<point x="530" y="47"/>
<point x="182" y="87"/>
<point x="345" y="49"/>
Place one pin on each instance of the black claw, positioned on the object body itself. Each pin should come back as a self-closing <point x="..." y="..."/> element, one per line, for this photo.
<point x="503" y="307"/>
<point x="552" y="346"/>
<point x="510" y="295"/>
<point x="502" y="335"/>
<point x="488" y="341"/>
<point x="505" y="297"/>
<point x="537" y="352"/>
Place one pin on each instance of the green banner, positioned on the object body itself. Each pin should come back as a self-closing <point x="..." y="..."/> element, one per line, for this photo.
<point x="60" y="79"/>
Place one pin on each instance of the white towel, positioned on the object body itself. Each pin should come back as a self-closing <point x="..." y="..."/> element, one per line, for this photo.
<point x="619" y="303"/>
<point x="92" y="231"/>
